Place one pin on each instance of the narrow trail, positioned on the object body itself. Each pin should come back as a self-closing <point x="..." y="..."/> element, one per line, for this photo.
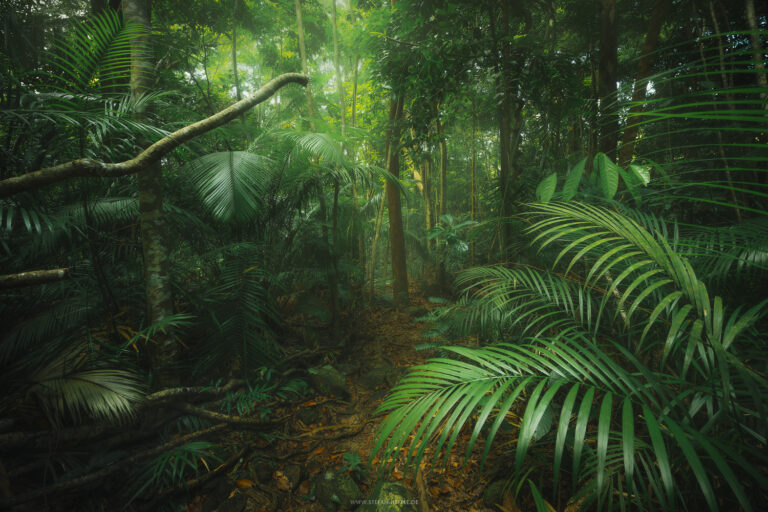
<point x="335" y="434"/>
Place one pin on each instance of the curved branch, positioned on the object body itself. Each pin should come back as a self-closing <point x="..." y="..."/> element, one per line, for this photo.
<point x="86" y="167"/>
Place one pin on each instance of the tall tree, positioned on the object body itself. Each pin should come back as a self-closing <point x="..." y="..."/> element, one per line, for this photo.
<point x="331" y="273"/>
<point x="644" y="67"/>
<point x="607" y="77"/>
<point x="396" y="232"/>
<point x="163" y="351"/>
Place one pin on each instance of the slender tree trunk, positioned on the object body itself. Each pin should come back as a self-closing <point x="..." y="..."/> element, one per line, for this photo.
<point x="358" y="224"/>
<point x="643" y="72"/>
<point x="234" y="60"/>
<point x="396" y="234"/>
<point x="163" y="351"/>
<point x="374" y="244"/>
<point x="607" y="76"/>
<point x="757" y="53"/>
<point x="304" y="68"/>
<point x="504" y="119"/>
<point x="331" y="274"/>
<point x="757" y="49"/>
<point x="426" y="177"/>
<point x="335" y="209"/>
<point x="731" y="106"/>
<point x="443" y="164"/>
<point x="473" y="189"/>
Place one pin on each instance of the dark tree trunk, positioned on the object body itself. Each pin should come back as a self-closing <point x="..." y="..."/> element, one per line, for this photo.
<point x="396" y="234"/>
<point x="643" y="72"/>
<point x="607" y="76"/>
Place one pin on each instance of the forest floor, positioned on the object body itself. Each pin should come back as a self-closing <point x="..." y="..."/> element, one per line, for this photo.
<point x="333" y="434"/>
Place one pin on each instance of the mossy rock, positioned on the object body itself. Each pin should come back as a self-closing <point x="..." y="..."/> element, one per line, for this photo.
<point x="329" y="381"/>
<point x="379" y="375"/>
<point x="336" y="491"/>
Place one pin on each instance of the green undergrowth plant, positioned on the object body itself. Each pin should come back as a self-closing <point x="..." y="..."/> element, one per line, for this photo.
<point x="615" y="358"/>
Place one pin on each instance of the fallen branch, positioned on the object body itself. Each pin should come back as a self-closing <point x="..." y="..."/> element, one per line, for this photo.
<point x="232" y="420"/>
<point x="351" y="433"/>
<point x="90" y="478"/>
<point x="32" y="277"/>
<point x="85" y="167"/>
<point x="204" y="391"/>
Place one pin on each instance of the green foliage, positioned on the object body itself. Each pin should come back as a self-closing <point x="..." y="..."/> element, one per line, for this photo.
<point x="174" y="466"/>
<point x="641" y="368"/>
<point x="353" y="463"/>
<point x="546" y="188"/>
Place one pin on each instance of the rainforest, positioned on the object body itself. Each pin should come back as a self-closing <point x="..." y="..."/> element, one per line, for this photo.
<point x="383" y="255"/>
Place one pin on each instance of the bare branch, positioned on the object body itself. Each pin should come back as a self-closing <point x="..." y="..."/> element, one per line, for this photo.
<point x="86" y="167"/>
<point x="217" y="416"/>
<point x="198" y="391"/>
<point x="32" y="277"/>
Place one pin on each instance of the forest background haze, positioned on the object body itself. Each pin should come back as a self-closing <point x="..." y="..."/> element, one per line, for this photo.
<point x="262" y="255"/>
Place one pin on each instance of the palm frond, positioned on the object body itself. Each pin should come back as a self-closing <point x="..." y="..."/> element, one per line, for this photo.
<point x="70" y="386"/>
<point x="231" y="184"/>
<point x="97" y="53"/>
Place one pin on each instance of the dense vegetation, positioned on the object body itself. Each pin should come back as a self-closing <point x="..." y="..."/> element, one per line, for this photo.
<point x="199" y="199"/>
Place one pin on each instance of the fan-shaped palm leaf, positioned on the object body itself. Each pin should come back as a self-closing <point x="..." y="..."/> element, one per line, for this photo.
<point x="70" y="385"/>
<point x="231" y="184"/>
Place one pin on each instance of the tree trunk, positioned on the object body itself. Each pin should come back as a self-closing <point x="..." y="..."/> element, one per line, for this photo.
<point x="504" y="119"/>
<point x="374" y="244"/>
<point x="757" y="48"/>
<point x="607" y="76"/>
<point x="396" y="234"/>
<point x="472" y="185"/>
<point x="304" y="68"/>
<point x="643" y="72"/>
<point x="335" y="210"/>
<point x="358" y="224"/>
<point x="426" y="177"/>
<point x="443" y="165"/>
<point x="163" y="351"/>
<point x="234" y="60"/>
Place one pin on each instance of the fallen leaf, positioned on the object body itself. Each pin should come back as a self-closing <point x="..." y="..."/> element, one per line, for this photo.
<point x="397" y="474"/>
<point x="244" y="483"/>
<point x="283" y="483"/>
<point x="304" y="487"/>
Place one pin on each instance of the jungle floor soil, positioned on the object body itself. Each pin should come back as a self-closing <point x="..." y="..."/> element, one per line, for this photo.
<point x="279" y="474"/>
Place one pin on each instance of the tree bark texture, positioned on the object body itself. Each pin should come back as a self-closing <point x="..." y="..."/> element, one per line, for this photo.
<point x="86" y="167"/>
<point x="504" y="119"/>
<point x="607" y="76"/>
<point x="757" y="49"/>
<point x="659" y="13"/>
<point x="163" y="350"/>
<point x="443" y="164"/>
<point x="396" y="234"/>
<point x="33" y="277"/>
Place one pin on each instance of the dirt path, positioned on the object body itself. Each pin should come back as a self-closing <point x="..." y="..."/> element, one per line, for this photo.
<point x="329" y="433"/>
